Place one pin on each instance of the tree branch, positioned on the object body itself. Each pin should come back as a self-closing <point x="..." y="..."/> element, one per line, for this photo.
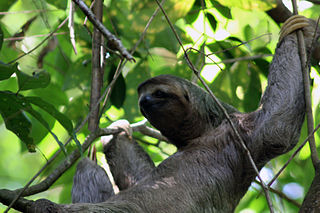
<point x="96" y="70"/>
<point x="305" y="72"/>
<point x="282" y="195"/>
<point x="110" y="37"/>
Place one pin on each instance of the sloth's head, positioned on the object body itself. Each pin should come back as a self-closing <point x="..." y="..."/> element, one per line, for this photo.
<point x="170" y="105"/>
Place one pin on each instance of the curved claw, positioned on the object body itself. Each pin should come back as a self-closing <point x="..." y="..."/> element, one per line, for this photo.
<point x="292" y="24"/>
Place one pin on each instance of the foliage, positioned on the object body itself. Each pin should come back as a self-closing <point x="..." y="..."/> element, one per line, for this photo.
<point x="42" y="103"/>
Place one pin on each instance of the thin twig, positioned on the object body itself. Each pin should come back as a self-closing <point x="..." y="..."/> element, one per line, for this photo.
<point x="244" y="58"/>
<point x="44" y="40"/>
<point x="305" y="72"/>
<point x="242" y="43"/>
<point x="32" y="36"/>
<point x="26" y="11"/>
<point x="222" y="108"/>
<point x="293" y="155"/>
<point x="282" y="195"/>
<point x="291" y="158"/>
<point x="110" y="37"/>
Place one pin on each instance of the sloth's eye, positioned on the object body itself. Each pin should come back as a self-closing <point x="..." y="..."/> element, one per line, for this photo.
<point x="159" y="94"/>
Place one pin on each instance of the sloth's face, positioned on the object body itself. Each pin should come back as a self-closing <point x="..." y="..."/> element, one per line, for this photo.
<point x="163" y="102"/>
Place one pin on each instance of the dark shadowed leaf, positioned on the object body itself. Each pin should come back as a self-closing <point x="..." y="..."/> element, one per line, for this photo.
<point x="38" y="80"/>
<point x="7" y="70"/>
<point x="232" y="38"/>
<point x="225" y="11"/>
<point x="11" y="109"/>
<point x="253" y="93"/>
<point x="212" y="21"/>
<point x="263" y="66"/>
<point x="118" y="93"/>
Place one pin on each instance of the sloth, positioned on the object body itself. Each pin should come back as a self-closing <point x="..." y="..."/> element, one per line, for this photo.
<point x="210" y="172"/>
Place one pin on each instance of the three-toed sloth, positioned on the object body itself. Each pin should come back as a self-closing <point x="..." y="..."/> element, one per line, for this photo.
<point x="210" y="172"/>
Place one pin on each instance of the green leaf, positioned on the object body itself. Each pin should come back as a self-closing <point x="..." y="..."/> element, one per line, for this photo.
<point x="49" y="108"/>
<point x="232" y="38"/>
<point x="11" y="109"/>
<point x="7" y="70"/>
<point x="248" y="32"/>
<point x="253" y="93"/>
<point x="78" y="74"/>
<point x="118" y="93"/>
<point x="38" y="80"/>
<point x="263" y="66"/>
<point x="225" y="11"/>
<point x="194" y="11"/>
<point x="38" y="116"/>
<point x="212" y="21"/>
<point x="52" y="94"/>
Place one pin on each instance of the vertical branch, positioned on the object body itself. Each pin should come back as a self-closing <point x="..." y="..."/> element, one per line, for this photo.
<point x="97" y="71"/>
<point x="305" y="72"/>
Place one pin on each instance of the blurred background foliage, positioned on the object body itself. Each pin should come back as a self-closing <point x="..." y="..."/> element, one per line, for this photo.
<point x="48" y="90"/>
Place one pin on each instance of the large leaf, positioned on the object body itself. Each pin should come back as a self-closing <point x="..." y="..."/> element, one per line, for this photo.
<point x="38" y="80"/>
<point x="11" y="109"/>
<point x="7" y="70"/>
<point x="38" y="116"/>
<point x="61" y="118"/>
<point x="49" y="108"/>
